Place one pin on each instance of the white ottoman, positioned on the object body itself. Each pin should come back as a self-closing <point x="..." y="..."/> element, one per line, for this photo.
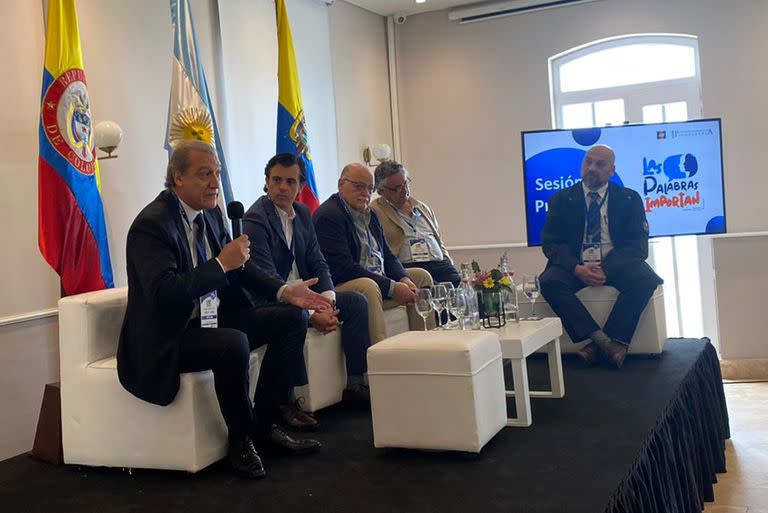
<point x="439" y="390"/>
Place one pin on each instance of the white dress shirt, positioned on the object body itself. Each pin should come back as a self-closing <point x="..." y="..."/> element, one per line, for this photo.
<point x="286" y="220"/>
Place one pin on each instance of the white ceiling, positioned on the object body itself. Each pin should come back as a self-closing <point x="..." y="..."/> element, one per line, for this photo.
<point x="390" y="7"/>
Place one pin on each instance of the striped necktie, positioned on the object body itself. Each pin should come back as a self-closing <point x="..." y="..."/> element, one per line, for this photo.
<point x="200" y="239"/>
<point x="593" y="217"/>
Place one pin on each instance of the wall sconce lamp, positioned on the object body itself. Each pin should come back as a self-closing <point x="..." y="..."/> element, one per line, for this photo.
<point x="107" y="136"/>
<point x="379" y="152"/>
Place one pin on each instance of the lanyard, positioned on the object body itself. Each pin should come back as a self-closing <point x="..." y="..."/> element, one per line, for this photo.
<point x="371" y="252"/>
<point x="415" y="222"/>
<point x="199" y="244"/>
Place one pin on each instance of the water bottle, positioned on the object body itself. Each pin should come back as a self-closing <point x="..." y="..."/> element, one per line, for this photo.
<point x="511" y="310"/>
<point x="473" y="318"/>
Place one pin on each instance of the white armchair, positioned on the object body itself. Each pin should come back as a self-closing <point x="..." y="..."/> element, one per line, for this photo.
<point x="650" y="335"/>
<point x="103" y="424"/>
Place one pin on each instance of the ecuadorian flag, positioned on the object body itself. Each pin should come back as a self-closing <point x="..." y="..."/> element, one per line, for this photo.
<point x="72" y="234"/>
<point x="292" y="134"/>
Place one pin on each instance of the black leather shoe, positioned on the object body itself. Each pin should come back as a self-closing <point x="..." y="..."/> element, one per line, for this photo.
<point x="277" y="440"/>
<point x="589" y="354"/>
<point x="244" y="459"/>
<point x="359" y="395"/>
<point x="293" y="417"/>
<point x="613" y="351"/>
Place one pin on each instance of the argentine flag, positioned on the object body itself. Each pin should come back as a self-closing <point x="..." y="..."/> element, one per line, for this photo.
<point x="190" y="115"/>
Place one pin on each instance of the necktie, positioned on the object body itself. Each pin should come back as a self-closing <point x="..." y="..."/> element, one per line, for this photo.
<point x="593" y="217"/>
<point x="200" y="239"/>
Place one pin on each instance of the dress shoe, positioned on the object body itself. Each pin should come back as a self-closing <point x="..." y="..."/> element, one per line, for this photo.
<point x="244" y="458"/>
<point x="613" y="351"/>
<point x="293" y="417"/>
<point x="278" y="441"/>
<point x="358" y="395"/>
<point x="589" y="354"/>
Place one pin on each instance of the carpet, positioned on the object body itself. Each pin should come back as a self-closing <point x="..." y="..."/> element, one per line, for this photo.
<point x="649" y="437"/>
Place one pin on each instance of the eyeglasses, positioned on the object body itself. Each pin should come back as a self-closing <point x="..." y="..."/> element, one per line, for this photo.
<point x="360" y="186"/>
<point x="400" y="188"/>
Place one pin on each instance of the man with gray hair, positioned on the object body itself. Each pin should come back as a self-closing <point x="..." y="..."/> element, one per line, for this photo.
<point x="359" y="258"/>
<point x="190" y="308"/>
<point x="410" y="226"/>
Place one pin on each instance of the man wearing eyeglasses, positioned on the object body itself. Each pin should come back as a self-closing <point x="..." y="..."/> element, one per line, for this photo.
<point x="410" y="226"/>
<point x="353" y="243"/>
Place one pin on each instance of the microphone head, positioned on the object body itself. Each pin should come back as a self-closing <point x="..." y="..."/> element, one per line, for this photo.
<point x="235" y="210"/>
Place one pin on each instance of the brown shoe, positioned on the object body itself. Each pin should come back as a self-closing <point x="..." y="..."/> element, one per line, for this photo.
<point x="614" y="352"/>
<point x="293" y="417"/>
<point x="589" y="354"/>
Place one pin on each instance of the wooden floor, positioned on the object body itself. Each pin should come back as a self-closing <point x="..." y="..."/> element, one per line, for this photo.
<point x="744" y="488"/>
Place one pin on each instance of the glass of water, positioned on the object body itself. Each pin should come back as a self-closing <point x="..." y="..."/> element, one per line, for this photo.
<point x="423" y="304"/>
<point x="439" y="299"/>
<point x="463" y="309"/>
<point x="531" y="290"/>
<point x="450" y="304"/>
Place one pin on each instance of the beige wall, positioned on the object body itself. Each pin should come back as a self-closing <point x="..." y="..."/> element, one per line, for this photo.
<point x="359" y="46"/>
<point x="36" y="287"/>
<point x="467" y="91"/>
<point x="29" y="358"/>
<point x="741" y="279"/>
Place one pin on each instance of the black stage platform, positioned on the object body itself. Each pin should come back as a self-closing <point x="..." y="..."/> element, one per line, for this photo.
<point x="648" y="438"/>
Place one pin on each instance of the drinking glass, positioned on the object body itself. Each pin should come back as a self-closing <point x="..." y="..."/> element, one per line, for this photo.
<point x="450" y="304"/>
<point x="463" y="309"/>
<point x="531" y="290"/>
<point x="423" y="304"/>
<point x="439" y="298"/>
<point x="509" y="297"/>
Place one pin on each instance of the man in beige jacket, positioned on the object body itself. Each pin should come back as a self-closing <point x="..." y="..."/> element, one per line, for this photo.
<point x="410" y="226"/>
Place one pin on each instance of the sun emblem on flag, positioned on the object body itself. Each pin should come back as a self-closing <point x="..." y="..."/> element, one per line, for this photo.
<point x="299" y="135"/>
<point x="192" y="123"/>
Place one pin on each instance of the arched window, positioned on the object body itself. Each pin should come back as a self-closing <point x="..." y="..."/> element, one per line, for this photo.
<point x="634" y="78"/>
<point x="640" y="78"/>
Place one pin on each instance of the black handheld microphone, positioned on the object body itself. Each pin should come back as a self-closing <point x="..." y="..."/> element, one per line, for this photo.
<point x="235" y="213"/>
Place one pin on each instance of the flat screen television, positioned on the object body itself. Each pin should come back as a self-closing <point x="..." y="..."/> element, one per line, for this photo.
<point x="677" y="168"/>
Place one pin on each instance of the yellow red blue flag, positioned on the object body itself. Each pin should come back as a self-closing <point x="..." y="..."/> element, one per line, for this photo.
<point x="72" y="233"/>
<point x="292" y="134"/>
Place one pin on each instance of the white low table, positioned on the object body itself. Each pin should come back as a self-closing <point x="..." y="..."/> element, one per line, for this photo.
<point x="518" y="341"/>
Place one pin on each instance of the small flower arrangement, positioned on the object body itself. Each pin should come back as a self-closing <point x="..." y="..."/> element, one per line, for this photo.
<point x="490" y="281"/>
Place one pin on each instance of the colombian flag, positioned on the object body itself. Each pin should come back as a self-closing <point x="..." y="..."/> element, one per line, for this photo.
<point x="72" y="234"/>
<point x="291" y="128"/>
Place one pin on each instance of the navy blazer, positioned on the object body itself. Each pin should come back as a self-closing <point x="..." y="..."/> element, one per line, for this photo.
<point x="162" y="288"/>
<point x="270" y="251"/>
<point x="338" y="240"/>
<point x="563" y="232"/>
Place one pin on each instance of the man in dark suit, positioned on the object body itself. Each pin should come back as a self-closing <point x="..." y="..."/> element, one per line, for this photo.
<point x="596" y="234"/>
<point x="353" y="243"/>
<point x="190" y="308"/>
<point x="284" y="244"/>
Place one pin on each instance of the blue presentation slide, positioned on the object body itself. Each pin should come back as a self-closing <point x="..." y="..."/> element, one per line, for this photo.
<point x="675" y="167"/>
